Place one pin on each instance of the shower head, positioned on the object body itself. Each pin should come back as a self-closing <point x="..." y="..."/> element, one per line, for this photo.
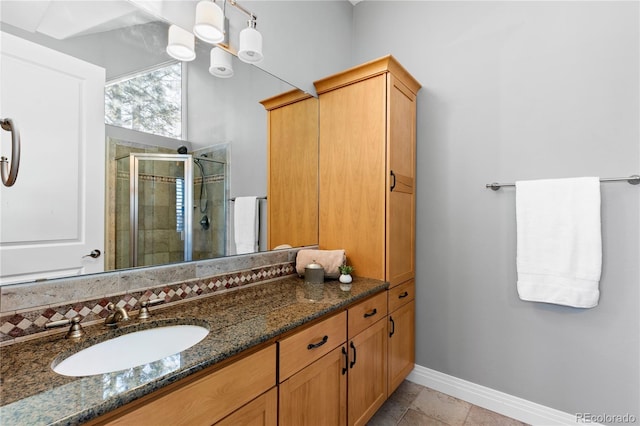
<point x="182" y="149"/>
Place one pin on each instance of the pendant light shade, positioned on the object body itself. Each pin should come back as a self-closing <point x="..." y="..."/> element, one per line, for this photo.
<point x="209" y="24"/>
<point x="181" y="45"/>
<point x="220" y="65"/>
<point x="250" y="44"/>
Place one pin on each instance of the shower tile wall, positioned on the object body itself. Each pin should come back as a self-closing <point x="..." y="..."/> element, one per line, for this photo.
<point x="159" y="241"/>
<point x="211" y="243"/>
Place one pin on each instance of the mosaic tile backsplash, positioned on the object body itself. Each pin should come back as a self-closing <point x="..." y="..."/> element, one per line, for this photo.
<point x="25" y="308"/>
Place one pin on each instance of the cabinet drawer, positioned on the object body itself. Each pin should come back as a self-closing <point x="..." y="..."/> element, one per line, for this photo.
<point x="301" y="349"/>
<point x="401" y="294"/>
<point x="210" y="398"/>
<point x="366" y="313"/>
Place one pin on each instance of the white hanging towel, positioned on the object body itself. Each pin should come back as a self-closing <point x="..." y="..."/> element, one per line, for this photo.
<point x="245" y="224"/>
<point x="559" y="241"/>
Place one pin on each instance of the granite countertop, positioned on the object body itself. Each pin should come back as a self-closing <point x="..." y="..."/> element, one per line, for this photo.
<point x="32" y="394"/>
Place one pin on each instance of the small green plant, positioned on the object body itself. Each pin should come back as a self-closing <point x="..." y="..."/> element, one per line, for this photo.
<point x="345" y="269"/>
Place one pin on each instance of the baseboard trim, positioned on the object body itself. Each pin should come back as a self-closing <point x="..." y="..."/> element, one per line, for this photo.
<point x="500" y="402"/>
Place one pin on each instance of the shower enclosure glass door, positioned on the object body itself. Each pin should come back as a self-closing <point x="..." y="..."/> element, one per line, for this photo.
<point x="169" y="208"/>
<point x="160" y="209"/>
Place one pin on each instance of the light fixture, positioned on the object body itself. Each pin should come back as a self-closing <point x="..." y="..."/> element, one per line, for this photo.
<point x="250" y="43"/>
<point x="220" y="65"/>
<point x="209" y="24"/>
<point x="181" y="45"/>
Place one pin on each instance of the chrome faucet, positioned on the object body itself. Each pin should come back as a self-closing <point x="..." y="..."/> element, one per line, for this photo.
<point x="118" y="314"/>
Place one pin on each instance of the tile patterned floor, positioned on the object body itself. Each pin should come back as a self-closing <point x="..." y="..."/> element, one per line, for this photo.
<point x="415" y="405"/>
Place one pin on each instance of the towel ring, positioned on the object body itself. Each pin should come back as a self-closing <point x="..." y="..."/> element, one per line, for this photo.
<point x="10" y="174"/>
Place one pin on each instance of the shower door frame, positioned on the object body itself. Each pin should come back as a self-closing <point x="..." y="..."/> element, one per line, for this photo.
<point x="134" y="166"/>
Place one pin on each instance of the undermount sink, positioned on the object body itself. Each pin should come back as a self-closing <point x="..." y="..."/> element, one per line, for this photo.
<point x="131" y="350"/>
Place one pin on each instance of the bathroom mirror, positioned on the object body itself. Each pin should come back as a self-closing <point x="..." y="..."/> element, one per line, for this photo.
<point x="218" y="125"/>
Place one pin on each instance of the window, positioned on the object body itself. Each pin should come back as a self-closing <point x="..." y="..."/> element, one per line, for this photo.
<point x="179" y="204"/>
<point x="148" y="102"/>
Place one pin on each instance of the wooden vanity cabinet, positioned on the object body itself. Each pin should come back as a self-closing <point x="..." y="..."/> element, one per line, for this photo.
<point x="243" y="389"/>
<point x="336" y="385"/>
<point x="401" y="351"/>
<point x="367" y="350"/>
<point x="367" y="168"/>
<point x="312" y="374"/>
<point x="292" y="169"/>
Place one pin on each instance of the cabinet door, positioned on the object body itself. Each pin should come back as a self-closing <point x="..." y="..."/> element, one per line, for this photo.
<point x="401" y="344"/>
<point x="401" y="165"/>
<point x="317" y="394"/>
<point x="292" y="207"/>
<point x="367" y="373"/>
<point x="262" y="411"/>
<point x="352" y="173"/>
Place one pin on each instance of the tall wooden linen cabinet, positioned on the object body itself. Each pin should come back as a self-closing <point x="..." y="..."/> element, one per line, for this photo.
<point x="367" y="169"/>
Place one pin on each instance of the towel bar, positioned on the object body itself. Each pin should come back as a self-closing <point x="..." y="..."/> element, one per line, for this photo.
<point x="633" y="180"/>
<point x="259" y="198"/>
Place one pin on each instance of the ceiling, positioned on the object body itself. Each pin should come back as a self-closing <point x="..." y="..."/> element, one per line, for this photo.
<point x="64" y="19"/>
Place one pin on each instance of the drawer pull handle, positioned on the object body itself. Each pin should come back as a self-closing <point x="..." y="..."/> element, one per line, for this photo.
<point x="372" y="313"/>
<point x="393" y="326"/>
<point x="346" y="361"/>
<point x="317" y="345"/>
<point x="403" y="295"/>
<point x="354" y="355"/>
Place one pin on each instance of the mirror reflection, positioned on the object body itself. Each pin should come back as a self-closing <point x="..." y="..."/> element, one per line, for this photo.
<point x="126" y="152"/>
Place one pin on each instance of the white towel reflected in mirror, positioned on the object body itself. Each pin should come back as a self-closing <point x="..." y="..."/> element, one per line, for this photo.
<point x="245" y="221"/>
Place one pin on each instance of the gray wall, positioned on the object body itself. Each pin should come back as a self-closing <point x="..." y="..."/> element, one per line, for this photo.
<point x="304" y="41"/>
<point x="517" y="91"/>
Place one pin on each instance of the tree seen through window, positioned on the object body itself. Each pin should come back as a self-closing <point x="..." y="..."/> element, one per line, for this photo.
<point x="148" y="102"/>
